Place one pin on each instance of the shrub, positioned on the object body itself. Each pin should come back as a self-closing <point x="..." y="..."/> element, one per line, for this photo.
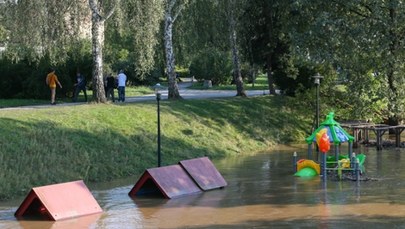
<point x="182" y="72"/>
<point x="249" y="72"/>
<point x="212" y="64"/>
<point x="26" y="79"/>
<point x="290" y="85"/>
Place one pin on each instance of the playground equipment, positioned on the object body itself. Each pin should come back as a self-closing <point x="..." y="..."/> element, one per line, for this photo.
<point x="330" y="132"/>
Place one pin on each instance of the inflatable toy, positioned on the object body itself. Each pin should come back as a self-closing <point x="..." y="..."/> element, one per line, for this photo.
<point x="306" y="172"/>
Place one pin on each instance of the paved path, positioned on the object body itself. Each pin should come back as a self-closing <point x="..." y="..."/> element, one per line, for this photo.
<point x="187" y="93"/>
<point x="197" y="94"/>
<point x="183" y="90"/>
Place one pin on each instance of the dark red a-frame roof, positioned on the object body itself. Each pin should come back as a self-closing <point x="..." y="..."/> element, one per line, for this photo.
<point x="204" y="173"/>
<point x="170" y="181"/>
<point x="188" y="177"/>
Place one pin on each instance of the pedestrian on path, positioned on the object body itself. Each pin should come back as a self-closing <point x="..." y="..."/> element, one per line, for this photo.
<point x="51" y="81"/>
<point x="122" y="79"/>
<point x="111" y="84"/>
<point x="80" y="85"/>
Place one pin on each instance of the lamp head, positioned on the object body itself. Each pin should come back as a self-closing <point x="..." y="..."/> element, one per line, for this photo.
<point x="157" y="88"/>
<point x="317" y="78"/>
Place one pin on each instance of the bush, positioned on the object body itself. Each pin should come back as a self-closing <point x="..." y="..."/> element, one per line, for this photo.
<point x="290" y="85"/>
<point x="11" y="78"/>
<point x="182" y="72"/>
<point x="26" y="79"/>
<point x="249" y="72"/>
<point x="212" y="64"/>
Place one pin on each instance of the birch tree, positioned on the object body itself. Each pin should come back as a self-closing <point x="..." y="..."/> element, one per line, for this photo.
<point x="173" y="9"/>
<point x="237" y="76"/>
<point x="98" y="18"/>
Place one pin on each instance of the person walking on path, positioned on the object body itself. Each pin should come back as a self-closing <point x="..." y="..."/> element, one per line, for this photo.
<point x="122" y="78"/>
<point x="51" y="81"/>
<point x="110" y="87"/>
<point x="80" y="86"/>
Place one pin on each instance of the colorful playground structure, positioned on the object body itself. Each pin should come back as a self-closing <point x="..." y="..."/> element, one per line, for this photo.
<point x="349" y="166"/>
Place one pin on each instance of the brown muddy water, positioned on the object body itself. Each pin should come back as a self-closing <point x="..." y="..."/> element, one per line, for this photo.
<point x="261" y="193"/>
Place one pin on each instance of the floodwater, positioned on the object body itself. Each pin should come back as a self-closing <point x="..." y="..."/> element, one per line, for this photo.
<point x="261" y="193"/>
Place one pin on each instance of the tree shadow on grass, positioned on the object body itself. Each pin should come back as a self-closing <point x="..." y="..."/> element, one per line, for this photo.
<point x="262" y="118"/>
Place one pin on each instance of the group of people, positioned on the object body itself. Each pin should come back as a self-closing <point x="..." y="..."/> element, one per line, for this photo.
<point x="110" y="84"/>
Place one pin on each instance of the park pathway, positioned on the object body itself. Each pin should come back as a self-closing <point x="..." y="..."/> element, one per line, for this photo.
<point x="184" y="91"/>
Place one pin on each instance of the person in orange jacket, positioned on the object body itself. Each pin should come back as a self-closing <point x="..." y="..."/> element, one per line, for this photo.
<point x="51" y="81"/>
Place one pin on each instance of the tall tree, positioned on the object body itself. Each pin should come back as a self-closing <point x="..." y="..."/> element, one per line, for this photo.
<point x="173" y="9"/>
<point x="265" y="38"/>
<point x="237" y="76"/>
<point x="98" y="19"/>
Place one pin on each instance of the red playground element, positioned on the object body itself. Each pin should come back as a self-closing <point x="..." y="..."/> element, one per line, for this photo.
<point x="204" y="173"/>
<point x="59" y="201"/>
<point x="324" y="143"/>
<point x="188" y="177"/>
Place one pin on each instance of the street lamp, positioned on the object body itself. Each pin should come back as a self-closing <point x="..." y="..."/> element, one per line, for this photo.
<point x="157" y="87"/>
<point x="317" y="82"/>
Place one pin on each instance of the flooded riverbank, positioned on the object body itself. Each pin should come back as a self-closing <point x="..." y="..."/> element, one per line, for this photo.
<point x="261" y="193"/>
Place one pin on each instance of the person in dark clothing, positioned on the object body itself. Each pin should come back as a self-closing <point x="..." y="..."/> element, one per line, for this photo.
<point x="110" y="88"/>
<point x="80" y="86"/>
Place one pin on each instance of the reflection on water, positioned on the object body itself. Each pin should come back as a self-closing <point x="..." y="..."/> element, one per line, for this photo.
<point x="261" y="193"/>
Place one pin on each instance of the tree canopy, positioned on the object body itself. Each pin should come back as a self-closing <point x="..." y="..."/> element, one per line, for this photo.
<point x="356" y="45"/>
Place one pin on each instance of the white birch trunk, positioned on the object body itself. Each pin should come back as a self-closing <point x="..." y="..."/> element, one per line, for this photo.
<point x="237" y="76"/>
<point x="97" y="32"/>
<point x="170" y="60"/>
<point x="97" y="52"/>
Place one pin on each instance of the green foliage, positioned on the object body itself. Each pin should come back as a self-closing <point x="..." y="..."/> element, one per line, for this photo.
<point x="202" y="25"/>
<point x="249" y="72"/>
<point x="3" y="35"/>
<point x="363" y="40"/>
<point x="182" y="72"/>
<point x="364" y="100"/>
<point x="25" y="79"/>
<point x="212" y="64"/>
<point x="43" y="28"/>
<point x="132" y="38"/>
<point x="290" y="84"/>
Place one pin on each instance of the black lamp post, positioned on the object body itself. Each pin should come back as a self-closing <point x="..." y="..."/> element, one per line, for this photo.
<point x="317" y="82"/>
<point x="158" y="97"/>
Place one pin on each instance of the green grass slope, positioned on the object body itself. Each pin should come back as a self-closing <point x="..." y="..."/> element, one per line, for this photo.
<point x="102" y="142"/>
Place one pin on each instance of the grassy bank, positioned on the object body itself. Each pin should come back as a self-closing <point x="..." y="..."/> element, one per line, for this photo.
<point x="103" y="142"/>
